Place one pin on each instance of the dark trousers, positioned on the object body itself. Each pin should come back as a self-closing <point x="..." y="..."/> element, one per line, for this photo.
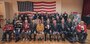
<point x="4" y="36"/>
<point x="47" y="32"/>
<point x="50" y="36"/>
<point x="29" y="35"/>
<point x="63" y="35"/>
<point x="82" y="36"/>
<point x="17" y="35"/>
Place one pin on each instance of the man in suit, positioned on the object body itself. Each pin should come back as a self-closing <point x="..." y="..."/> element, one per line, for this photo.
<point x="65" y="16"/>
<point x="48" y="30"/>
<point x="17" y="30"/>
<point x="33" y="28"/>
<point x="55" y="28"/>
<point x="62" y="29"/>
<point x="71" y="16"/>
<point x="70" y="31"/>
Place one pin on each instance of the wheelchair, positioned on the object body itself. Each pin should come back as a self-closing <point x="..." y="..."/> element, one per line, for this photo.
<point x="82" y="36"/>
<point x="71" y="35"/>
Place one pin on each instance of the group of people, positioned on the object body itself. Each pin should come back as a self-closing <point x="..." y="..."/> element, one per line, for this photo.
<point x="45" y="27"/>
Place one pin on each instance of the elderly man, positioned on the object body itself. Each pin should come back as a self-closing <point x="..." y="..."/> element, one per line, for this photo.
<point x="55" y="28"/>
<point x="71" y="33"/>
<point x="48" y="30"/>
<point x="63" y="31"/>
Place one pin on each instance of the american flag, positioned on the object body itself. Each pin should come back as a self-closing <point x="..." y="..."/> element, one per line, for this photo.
<point x="45" y="6"/>
<point x="37" y="6"/>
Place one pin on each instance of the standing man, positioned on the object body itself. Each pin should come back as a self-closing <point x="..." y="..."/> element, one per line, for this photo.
<point x="65" y="16"/>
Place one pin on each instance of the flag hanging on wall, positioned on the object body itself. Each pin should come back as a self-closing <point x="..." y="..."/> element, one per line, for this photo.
<point x="36" y="6"/>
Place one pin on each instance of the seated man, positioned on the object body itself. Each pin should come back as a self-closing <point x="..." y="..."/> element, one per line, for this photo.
<point x="70" y="31"/>
<point x="7" y="30"/>
<point x="40" y="29"/>
<point x="55" y="28"/>
<point x="33" y="30"/>
<point x="81" y="32"/>
<point x="47" y="30"/>
<point x="17" y="30"/>
<point x="62" y="29"/>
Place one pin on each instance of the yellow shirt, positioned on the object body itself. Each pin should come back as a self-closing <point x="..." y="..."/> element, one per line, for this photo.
<point x="40" y="27"/>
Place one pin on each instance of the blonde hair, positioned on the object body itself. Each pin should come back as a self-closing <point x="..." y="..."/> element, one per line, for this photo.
<point x="82" y="22"/>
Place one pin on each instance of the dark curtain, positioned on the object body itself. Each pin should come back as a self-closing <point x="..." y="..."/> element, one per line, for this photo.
<point x="86" y="11"/>
<point x="86" y="7"/>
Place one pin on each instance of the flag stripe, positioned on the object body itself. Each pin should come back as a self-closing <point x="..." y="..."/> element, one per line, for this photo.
<point x="45" y="11"/>
<point x="44" y="2"/>
<point x="44" y="7"/>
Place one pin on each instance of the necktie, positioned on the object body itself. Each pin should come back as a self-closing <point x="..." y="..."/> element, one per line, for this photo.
<point x="63" y="26"/>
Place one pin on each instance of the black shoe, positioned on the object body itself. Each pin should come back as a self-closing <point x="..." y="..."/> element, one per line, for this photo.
<point x="9" y="40"/>
<point x="16" y="40"/>
<point x="63" y="39"/>
<point x="54" y="39"/>
<point x="34" y="39"/>
<point x="3" y="40"/>
<point x="30" y="39"/>
<point x="45" y="40"/>
<point x="58" y="40"/>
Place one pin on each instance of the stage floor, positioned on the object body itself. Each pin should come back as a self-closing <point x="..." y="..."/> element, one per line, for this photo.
<point x="46" y="42"/>
<point x="39" y="42"/>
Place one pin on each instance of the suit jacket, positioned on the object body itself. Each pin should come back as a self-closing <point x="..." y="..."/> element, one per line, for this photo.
<point x="63" y="28"/>
<point x="57" y="28"/>
<point x="65" y="16"/>
<point x="47" y="27"/>
<point x="70" y="27"/>
<point x="71" y="17"/>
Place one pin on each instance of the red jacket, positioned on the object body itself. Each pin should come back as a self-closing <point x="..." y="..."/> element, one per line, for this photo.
<point x="25" y="26"/>
<point x="79" y="28"/>
<point x="8" y="27"/>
